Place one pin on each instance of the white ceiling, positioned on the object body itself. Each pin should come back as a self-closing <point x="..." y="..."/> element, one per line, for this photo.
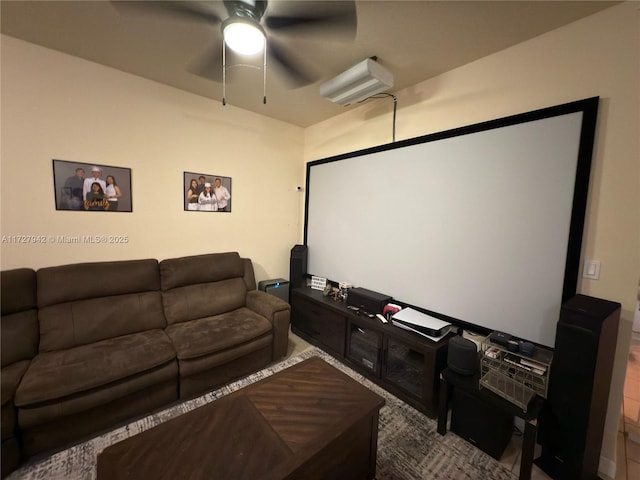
<point x="416" y="40"/>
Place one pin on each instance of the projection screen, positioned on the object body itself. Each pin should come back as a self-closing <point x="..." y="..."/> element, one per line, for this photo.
<point x="481" y="225"/>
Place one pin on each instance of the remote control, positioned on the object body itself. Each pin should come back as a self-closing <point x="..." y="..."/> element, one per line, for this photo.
<point x="381" y="318"/>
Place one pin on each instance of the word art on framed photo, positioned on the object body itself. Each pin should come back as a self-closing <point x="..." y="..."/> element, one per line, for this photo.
<point x="90" y="187"/>
<point x="206" y="193"/>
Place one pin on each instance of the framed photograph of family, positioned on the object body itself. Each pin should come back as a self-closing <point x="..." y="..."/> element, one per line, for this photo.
<point x="89" y="187"/>
<point x="206" y="193"/>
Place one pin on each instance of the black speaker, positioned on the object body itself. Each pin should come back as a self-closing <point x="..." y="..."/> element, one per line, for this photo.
<point x="484" y="425"/>
<point x="572" y="421"/>
<point x="298" y="266"/>
<point x="462" y="356"/>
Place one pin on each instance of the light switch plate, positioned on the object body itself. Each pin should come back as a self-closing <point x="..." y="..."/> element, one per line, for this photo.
<point x="591" y="269"/>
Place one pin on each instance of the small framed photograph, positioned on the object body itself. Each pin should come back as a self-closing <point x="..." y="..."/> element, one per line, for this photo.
<point x="204" y="192"/>
<point x="89" y="187"/>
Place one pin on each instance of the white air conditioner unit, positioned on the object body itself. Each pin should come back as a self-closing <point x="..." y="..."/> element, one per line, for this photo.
<point x="358" y="83"/>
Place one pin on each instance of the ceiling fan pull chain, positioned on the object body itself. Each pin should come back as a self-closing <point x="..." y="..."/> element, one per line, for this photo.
<point x="264" y="72"/>
<point x="224" y="73"/>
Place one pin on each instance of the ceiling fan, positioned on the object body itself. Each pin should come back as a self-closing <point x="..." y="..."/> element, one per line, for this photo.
<point x="247" y="31"/>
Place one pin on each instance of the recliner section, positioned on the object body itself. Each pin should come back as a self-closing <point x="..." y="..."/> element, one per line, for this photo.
<point x="206" y="334"/>
<point x="102" y="338"/>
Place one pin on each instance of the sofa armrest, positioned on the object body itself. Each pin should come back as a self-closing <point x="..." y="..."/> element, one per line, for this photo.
<point x="278" y="312"/>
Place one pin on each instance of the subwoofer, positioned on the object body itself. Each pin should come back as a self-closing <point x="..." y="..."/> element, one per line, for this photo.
<point x="572" y="422"/>
<point x="484" y="425"/>
<point x="297" y="267"/>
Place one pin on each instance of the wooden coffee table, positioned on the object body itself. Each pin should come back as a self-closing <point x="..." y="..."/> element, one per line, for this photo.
<point x="309" y="421"/>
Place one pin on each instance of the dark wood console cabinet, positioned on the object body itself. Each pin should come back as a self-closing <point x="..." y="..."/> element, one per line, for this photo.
<point x="401" y="362"/>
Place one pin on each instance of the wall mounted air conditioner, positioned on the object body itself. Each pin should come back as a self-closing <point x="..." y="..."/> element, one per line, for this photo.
<point x="358" y="83"/>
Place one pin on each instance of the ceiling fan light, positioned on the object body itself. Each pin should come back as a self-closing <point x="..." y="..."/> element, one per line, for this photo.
<point x="243" y="37"/>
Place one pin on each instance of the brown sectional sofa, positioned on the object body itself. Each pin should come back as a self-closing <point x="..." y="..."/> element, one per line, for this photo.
<point x="110" y="341"/>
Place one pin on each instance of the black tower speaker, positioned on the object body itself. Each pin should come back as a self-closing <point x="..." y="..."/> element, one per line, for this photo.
<point x="572" y="422"/>
<point x="297" y="267"/>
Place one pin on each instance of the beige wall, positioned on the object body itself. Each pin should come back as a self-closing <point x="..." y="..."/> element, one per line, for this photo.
<point x="597" y="56"/>
<point x="58" y="106"/>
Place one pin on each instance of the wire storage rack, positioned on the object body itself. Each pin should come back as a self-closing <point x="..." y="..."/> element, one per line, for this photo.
<point x="513" y="376"/>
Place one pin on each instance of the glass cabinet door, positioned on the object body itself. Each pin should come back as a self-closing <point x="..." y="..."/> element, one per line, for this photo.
<point x="405" y="367"/>
<point x="364" y="347"/>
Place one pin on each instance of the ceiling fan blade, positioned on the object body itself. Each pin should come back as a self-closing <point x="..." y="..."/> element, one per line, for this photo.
<point x="334" y="17"/>
<point x="174" y="9"/>
<point x="295" y="73"/>
<point x="208" y="65"/>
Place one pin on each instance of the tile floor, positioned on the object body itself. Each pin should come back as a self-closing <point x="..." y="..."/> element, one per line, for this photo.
<point x="629" y="431"/>
<point x="628" y="463"/>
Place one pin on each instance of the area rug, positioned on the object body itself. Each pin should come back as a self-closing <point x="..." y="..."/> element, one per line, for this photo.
<point x="409" y="447"/>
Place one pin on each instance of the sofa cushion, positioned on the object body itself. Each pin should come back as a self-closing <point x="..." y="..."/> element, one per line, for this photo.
<point x="89" y="302"/>
<point x="213" y="267"/>
<point x="11" y="377"/>
<point x="18" y="290"/>
<point x="204" y="300"/>
<point x="19" y="339"/>
<point x="249" y="274"/>
<point x="82" y="322"/>
<point x="214" y="334"/>
<point x="218" y="368"/>
<point x="82" y="281"/>
<point x="58" y="374"/>
<point x="141" y="390"/>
